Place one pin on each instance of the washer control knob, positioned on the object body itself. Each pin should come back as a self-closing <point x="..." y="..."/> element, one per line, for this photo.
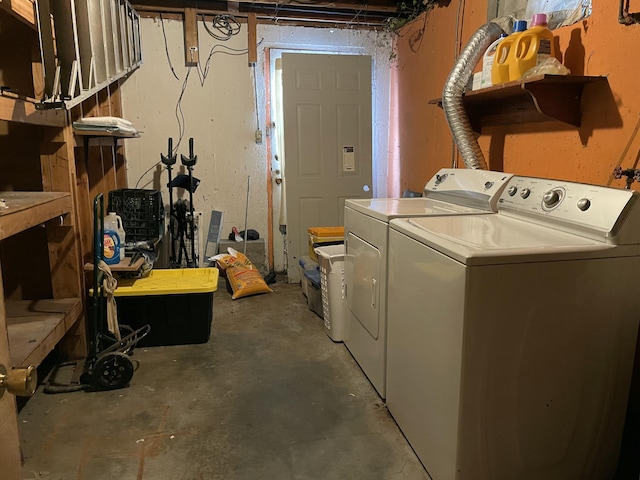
<point x="525" y="193"/>
<point x="584" y="204"/>
<point x="512" y="191"/>
<point x="551" y="198"/>
<point x="441" y="178"/>
<point x="488" y="185"/>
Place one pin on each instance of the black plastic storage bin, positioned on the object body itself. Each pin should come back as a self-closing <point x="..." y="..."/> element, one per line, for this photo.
<point x="174" y="319"/>
<point x="177" y="304"/>
<point x="142" y="213"/>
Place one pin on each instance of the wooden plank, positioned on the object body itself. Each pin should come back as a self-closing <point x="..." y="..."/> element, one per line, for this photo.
<point x="10" y="456"/>
<point x="252" y="39"/>
<point x="74" y="344"/>
<point x="191" y="50"/>
<point x="18" y="110"/>
<point x="106" y="153"/>
<point x="115" y="99"/>
<point x="123" y="266"/>
<point x="67" y="48"/>
<point x="28" y="209"/>
<point x="109" y="39"/>
<point x="36" y="326"/>
<point x="23" y="10"/>
<point x="18" y="41"/>
<point x="37" y="71"/>
<point x="214" y="7"/>
<point x="47" y="39"/>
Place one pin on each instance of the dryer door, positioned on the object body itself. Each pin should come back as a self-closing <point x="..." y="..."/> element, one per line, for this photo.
<point x="362" y="279"/>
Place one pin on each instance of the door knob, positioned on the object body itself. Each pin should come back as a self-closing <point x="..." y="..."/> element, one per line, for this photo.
<point x="278" y="181"/>
<point x="21" y="382"/>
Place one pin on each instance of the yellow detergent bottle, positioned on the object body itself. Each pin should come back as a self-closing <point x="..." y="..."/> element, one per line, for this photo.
<point x="505" y="54"/>
<point x="532" y="47"/>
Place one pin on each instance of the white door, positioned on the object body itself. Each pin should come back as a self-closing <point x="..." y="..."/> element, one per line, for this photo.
<point x="10" y="467"/>
<point x="327" y="141"/>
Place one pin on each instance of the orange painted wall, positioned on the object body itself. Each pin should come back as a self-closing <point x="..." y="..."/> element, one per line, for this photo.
<point x="597" y="46"/>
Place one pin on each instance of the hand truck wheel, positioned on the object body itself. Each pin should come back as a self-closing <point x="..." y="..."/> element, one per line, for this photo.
<point x="113" y="370"/>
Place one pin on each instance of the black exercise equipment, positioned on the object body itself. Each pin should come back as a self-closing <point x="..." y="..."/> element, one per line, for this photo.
<point x="182" y="227"/>
<point x="169" y="160"/>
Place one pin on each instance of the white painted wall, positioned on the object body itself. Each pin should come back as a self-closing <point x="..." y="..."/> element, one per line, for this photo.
<point x="220" y="114"/>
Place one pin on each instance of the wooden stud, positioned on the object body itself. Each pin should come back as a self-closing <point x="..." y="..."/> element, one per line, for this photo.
<point x="10" y="457"/>
<point x="252" y="40"/>
<point x="191" y="49"/>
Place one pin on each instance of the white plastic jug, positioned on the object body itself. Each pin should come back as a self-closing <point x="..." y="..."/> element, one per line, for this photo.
<point x="113" y="223"/>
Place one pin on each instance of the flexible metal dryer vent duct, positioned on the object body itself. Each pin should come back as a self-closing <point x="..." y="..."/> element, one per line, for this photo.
<point x="455" y="86"/>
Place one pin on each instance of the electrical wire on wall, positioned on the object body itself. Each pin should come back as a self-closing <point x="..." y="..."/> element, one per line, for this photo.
<point x="203" y="73"/>
<point x="356" y="16"/>
<point x="222" y="28"/>
<point x="166" y="48"/>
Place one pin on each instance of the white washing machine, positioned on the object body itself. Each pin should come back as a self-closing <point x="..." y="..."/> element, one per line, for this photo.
<point x="449" y="192"/>
<point x="511" y="337"/>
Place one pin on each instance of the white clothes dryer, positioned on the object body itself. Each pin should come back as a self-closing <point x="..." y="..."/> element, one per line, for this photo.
<point x="449" y="192"/>
<point x="511" y="337"/>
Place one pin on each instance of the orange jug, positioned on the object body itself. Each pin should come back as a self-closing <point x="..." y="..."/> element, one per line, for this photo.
<point x="532" y="47"/>
<point x="505" y="54"/>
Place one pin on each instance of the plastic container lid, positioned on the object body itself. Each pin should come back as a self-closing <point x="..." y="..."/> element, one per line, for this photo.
<point x="326" y="231"/>
<point x="539" y="19"/>
<point x="170" y="282"/>
<point x="307" y="263"/>
<point x="521" y="25"/>
<point x="314" y="277"/>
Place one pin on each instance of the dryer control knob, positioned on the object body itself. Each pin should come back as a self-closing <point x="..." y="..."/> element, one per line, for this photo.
<point x="584" y="204"/>
<point x="512" y="191"/>
<point x="525" y="193"/>
<point x="551" y="198"/>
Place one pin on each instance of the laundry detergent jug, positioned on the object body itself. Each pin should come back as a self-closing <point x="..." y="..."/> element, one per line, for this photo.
<point x="532" y="47"/>
<point x="505" y="54"/>
<point x="114" y="238"/>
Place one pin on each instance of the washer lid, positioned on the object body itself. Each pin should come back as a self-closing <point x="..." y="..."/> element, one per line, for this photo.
<point x="385" y="209"/>
<point x="493" y="239"/>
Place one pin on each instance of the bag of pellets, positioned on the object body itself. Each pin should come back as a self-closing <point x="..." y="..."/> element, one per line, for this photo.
<point x="242" y="276"/>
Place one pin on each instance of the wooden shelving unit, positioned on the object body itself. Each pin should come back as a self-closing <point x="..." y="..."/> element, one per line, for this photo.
<point x="45" y="217"/>
<point x="536" y="99"/>
<point x="36" y="326"/>
<point x="101" y="138"/>
<point x="27" y="209"/>
<point x="14" y="109"/>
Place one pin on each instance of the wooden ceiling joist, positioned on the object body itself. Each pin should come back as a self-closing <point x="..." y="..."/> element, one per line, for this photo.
<point x="356" y="14"/>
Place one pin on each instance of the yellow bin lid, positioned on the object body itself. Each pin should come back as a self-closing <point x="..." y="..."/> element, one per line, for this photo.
<point x="326" y="231"/>
<point x="170" y="282"/>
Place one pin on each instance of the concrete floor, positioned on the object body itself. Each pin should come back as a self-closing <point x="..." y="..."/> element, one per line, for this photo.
<point x="270" y="396"/>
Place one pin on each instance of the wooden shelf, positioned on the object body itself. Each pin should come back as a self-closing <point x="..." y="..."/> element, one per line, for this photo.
<point x="536" y="99"/>
<point x="100" y="138"/>
<point x="28" y="209"/>
<point x="13" y="109"/>
<point x="35" y="327"/>
<point x="122" y="267"/>
<point x="23" y="10"/>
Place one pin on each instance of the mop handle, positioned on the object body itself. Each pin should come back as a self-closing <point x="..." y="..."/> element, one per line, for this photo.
<point x="246" y="215"/>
